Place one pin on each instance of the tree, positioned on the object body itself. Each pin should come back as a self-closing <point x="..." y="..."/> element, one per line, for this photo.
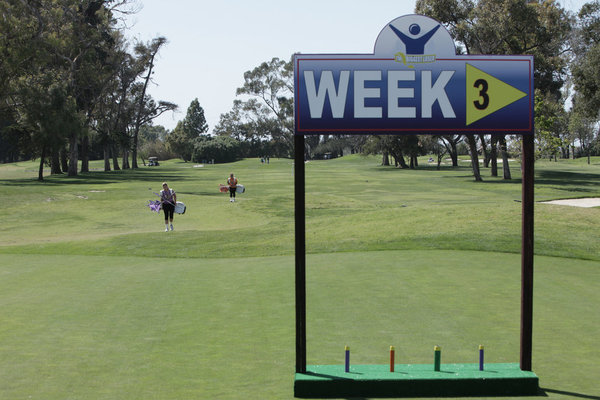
<point x="179" y="143"/>
<point x="124" y="108"/>
<point x="583" y="130"/>
<point x="49" y="112"/>
<point x="69" y="42"/>
<point x="270" y="106"/>
<point x="249" y="121"/>
<point x="434" y="145"/>
<point x="394" y="145"/>
<point x="337" y="145"/>
<point x="147" y="109"/>
<point x="494" y="154"/>
<point x="152" y="143"/>
<point x="39" y="92"/>
<point x="586" y="77"/>
<point x="84" y="49"/>
<point x="547" y="128"/>
<point x="73" y="48"/>
<point x="187" y="132"/>
<point x="194" y="123"/>
<point x="217" y="149"/>
<point x="474" y="157"/>
<point x="504" y="152"/>
<point x="451" y="142"/>
<point x="112" y="113"/>
<point x="237" y="124"/>
<point x="536" y="27"/>
<point x="152" y="133"/>
<point x="586" y="74"/>
<point x="150" y="111"/>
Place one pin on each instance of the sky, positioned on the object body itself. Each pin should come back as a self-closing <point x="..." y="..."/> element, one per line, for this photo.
<point x="212" y="43"/>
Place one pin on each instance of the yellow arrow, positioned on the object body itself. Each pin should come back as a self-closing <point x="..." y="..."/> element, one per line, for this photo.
<point x="486" y="94"/>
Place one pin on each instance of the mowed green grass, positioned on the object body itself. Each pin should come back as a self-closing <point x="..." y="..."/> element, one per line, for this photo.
<point x="99" y="303"/>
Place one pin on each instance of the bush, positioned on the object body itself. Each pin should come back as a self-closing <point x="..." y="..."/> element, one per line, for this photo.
<point x="156" y="148"/>
<point x="221" y="149"/>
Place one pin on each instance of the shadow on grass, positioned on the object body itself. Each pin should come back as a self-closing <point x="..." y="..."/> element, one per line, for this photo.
<point x="569" y="181"/>
<point x="459" y="173"/>
<point x="570" y="394"/>
<point x="102" y="177"/>
<point x="562" y="180"/>
<point x="424" y="168"/>
<point x="204" y="193"/>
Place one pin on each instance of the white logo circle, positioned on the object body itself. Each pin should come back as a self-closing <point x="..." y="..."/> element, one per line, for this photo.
<point x="415" y="35"/>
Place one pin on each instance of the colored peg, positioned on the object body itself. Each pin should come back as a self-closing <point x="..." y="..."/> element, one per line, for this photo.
<point x="481" y="357"/>
<point x="347" y="359"/>
<point x="392" y="356"/>
<point x="437" y="351"/>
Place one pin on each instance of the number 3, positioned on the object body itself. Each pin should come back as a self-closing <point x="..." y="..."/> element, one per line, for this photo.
<point x="483" y="85"/>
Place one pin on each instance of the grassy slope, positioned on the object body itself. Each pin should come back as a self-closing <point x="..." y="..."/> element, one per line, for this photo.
<point x="352" y="204"/>
<point x="99" y="327"/>
<point x="99" y="303"/>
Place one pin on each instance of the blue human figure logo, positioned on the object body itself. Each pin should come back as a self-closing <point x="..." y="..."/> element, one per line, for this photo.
<point x="415" y="45"/>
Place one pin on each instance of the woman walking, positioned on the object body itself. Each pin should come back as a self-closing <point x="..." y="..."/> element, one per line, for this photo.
<point x="232" y="182"/>
<point x="168" y="198"/>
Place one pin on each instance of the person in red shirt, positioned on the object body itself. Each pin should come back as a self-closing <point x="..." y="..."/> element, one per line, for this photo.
<point x="232" y="182"/>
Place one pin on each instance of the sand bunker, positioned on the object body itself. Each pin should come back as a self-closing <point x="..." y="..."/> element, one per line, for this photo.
<point x="587" y="203"/>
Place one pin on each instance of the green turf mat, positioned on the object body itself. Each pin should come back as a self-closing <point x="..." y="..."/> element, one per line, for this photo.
<point x="415" y="380"/>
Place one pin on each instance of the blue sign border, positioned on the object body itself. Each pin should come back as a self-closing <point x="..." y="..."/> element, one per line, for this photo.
<point x="516" y="71"/>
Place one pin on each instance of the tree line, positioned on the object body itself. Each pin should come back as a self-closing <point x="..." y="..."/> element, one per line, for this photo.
<point x="70" y="80"/>
<point x="72" y="87"/>
<point x="566" y="49"/>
